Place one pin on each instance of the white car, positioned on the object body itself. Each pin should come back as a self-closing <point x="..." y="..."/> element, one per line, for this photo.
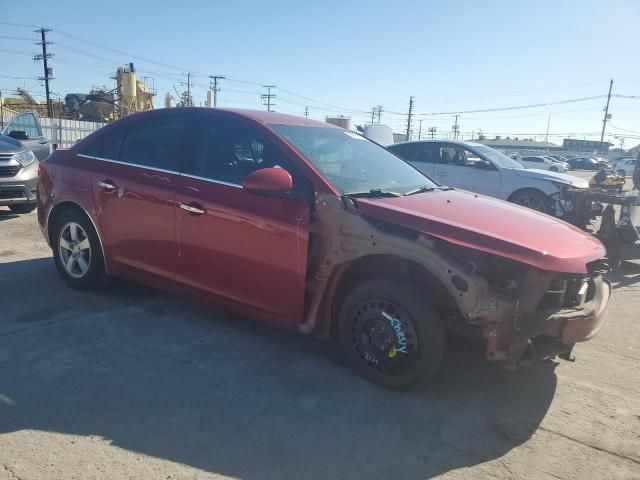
<point x="481" y="169"/>
<point x="625" y="166"/>
<point x="542" y="163"/>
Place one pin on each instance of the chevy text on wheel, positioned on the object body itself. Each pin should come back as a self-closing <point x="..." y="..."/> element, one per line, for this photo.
<point x="307" y="226"/>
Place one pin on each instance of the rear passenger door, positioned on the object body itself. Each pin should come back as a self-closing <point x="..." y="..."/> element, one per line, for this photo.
<point x="134" y="176"/>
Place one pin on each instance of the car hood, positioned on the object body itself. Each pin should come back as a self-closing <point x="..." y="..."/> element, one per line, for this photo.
<point x="551" y="176"/>
<point x="10" y="145"/>
<point x="492" y="226"/>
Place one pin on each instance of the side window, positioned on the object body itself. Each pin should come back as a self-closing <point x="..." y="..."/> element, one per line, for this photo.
<point x="450" y="155"/>
<point x="155" y="143"/>
<point x="107" y="144"/>
<point x="25" y="122"/>
<point x="408" y="151"/>
<point x="228" y="151"/>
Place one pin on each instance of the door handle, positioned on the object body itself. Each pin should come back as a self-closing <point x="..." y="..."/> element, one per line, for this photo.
<point x="106" y="184"/>
<point x="192" y="208"/>
<point x="443" y="174"/>
<point x="43" y="142"/>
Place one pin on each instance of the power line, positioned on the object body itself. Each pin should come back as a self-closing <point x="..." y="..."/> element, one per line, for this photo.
<point x="19" y="25"/>
<point x="515" y="107"/>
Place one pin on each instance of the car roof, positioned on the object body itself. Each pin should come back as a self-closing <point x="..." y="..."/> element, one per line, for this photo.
<point x="454" y="142"/>
<point x="261" y="116"/>
<point x="276" y="118"/>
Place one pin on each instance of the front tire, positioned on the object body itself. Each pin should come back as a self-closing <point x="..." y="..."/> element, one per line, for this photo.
<point x="390" y="334"/>
<point x="533" y="199"/>
<point x="22" y="208"/>
<point x="554" y="169"/>
<point x="77" y="252"/>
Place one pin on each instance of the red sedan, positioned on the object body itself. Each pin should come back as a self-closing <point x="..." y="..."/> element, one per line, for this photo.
<point x="308" y="226"/>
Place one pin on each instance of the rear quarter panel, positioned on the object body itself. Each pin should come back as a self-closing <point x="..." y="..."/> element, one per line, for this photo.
<point x="64" y="177"/>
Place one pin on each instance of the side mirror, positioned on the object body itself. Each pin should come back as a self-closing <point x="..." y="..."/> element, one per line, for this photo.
<point x="483" y="165"/>
<point x="268" y="181"/>
<point x="19" y="135"/>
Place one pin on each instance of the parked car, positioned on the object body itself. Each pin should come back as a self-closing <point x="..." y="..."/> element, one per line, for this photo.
<point x="481" y="169"/>
<point x="542" y="163"/>
<point x="308" y="226"/>
<point x="564" y="163"/>
<point x="25" y="127"/>
<point x="625" y="166"/>
<point x="18" y="176"/>
<point x="585" y="163"/>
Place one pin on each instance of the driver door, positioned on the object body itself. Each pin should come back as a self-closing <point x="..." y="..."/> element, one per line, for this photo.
<point x="236" y="245"/>
<point x="35" y="141"/>
<point x="457" y="168"/>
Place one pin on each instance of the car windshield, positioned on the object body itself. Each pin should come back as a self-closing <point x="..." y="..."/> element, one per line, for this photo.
<point x="352" y="163"/>
<point x="494" y="156"/>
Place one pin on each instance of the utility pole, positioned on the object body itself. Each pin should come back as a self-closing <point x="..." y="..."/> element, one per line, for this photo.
<point x="606" y="112"/>
<point x="47" y="73"/>
<point x="455" y="128"/>
<point x="380" y="108"/>
<point x="214" y="86"/>
<point x="546" y="137"/>
<point x="373" y="114"/>
<point x="409" y="118"/>
<point x="1" y="112"/>
<point x="306" y="111"/>
<point x="267" y="97"/>
<point x="420" y="130"/>
<point x="189" y="89"/>
<point x="187" y="102"/>
<point x="432" y="132"/>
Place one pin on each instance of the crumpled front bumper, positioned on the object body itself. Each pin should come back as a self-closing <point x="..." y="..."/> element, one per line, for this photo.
<point x="551" y="332"/>
<point x="585" y="324"/>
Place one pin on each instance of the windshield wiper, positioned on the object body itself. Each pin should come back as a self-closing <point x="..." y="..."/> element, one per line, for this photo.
<point x="422" y="189"/>
<point x="373" y="193"/>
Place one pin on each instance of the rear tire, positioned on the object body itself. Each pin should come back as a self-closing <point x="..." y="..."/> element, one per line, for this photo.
<point x="22" y="208"/>
<point x="77" y="252"/>
<point x="390" y="334"/>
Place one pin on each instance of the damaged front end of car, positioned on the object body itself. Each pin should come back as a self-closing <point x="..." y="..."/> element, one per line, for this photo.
<point x="484" y="287"/>
<point x="526" y="313"/>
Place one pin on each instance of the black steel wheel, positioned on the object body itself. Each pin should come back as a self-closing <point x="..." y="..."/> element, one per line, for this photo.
<point x="391" y="334"/>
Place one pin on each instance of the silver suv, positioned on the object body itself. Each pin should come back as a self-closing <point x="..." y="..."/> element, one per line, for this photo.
<point x="21" y="148"/>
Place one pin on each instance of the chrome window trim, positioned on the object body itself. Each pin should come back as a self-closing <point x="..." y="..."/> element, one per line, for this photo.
<point x="188" y="175"/>
<point x="211" y="180"/>
<point x="95" y="227"/>
<point x="129" y="164"/>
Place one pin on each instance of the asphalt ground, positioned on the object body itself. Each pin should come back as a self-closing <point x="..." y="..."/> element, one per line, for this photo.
<point x="132" y="383"/>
